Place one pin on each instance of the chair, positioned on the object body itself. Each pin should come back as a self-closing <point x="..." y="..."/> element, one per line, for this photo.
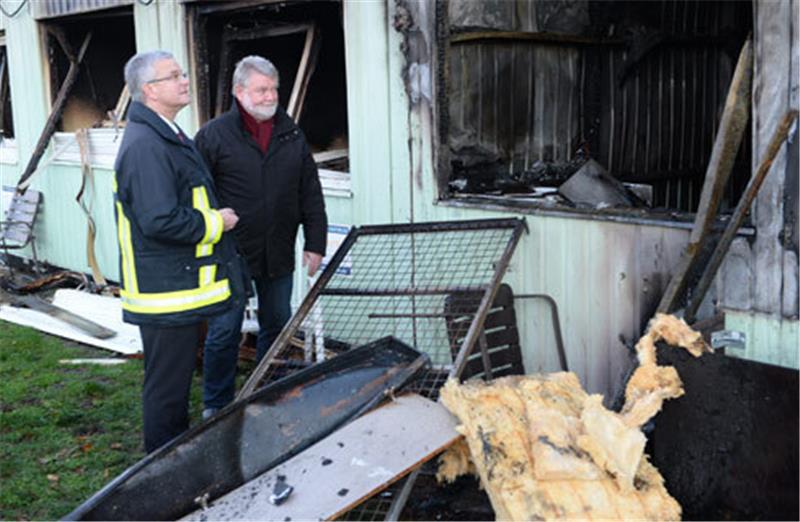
<point x="499" y="334"/>
<point x="16" y="230"/>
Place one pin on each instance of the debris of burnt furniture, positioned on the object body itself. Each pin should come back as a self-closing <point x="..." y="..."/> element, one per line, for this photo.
<point x="397" y="280"/>
<point x="83" y="324"/>
<point x="338" y="472"/>
<point x="592" y="186"/>
<point x="432" y="285"/>
<point x="254" y="434"/>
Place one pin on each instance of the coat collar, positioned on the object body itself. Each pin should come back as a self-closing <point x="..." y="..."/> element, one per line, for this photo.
<point x="141" y="113"/>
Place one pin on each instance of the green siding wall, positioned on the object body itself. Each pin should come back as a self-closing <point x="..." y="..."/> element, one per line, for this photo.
<point x="606" y="277"/>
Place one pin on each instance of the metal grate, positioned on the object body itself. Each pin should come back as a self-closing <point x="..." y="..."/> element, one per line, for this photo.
<point x="429" y="285"/>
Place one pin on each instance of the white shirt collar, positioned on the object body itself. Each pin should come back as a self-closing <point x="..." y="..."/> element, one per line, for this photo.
<point x="170" y="123"/>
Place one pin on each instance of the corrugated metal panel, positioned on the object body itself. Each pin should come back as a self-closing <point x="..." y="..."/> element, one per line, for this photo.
<point x="53" y="8"/>
<point x="515" y="100"/>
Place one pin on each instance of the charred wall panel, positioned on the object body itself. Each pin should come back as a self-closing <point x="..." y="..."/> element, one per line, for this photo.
<point x="100" y="80"/>
<point x="513" y="104"/>
<point x="662" y="97"/>
<point x="639" y="87"/>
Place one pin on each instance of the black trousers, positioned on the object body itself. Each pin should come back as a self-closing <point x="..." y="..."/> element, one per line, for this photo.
<point x="169" y="360"/>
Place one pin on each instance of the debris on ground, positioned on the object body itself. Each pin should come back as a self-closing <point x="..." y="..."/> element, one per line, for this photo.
<point x="103" y="310"/>
<point x="337" y="473"/>
<point x="546" y="449"/>
<point x="102" y="361"/>
<point x="253" y="435"/>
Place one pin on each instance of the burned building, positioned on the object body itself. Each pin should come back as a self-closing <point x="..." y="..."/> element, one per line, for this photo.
<point x="453" y="110"/>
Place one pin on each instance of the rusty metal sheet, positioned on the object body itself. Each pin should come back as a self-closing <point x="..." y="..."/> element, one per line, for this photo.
<point x="254" y="434"/>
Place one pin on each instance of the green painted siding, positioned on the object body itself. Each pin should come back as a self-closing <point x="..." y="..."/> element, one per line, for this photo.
<point x="606" y="277"/>
<point x="769" y="339"/>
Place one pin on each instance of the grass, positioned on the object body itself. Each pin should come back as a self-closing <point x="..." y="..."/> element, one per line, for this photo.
<point x="65" y="430"/>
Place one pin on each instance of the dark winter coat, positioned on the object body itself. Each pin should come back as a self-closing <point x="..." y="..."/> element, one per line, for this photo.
<point x="273" y="193"/>
<point x="176" y="264"/>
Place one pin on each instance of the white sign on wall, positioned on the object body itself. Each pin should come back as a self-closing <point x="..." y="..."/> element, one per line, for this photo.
<point x="336" y="235"/>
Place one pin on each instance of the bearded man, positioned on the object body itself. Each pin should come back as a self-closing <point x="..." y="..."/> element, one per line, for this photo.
<point x="263" y="169"/>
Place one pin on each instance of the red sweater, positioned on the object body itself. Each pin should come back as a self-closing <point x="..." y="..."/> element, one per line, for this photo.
<point x="261" y="131"/>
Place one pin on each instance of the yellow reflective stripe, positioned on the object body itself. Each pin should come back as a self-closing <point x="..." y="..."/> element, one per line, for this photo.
<point x="207" y="274"/>
<point x="214" y="225"/>
<point x="129" y="281"/>
<point x="212" y="220"/>
<point x="178" y="301"/>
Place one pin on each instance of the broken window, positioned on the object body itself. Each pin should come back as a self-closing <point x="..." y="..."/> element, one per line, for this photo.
<point x="536" y="89"/>
<point x="99" y="84"/>
<point x="6" y="119"/>
<point x="305" y="41"/>
<point x="8" y="146"/>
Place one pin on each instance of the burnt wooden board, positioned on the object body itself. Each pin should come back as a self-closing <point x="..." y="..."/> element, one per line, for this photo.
<point x="346" y="467"/>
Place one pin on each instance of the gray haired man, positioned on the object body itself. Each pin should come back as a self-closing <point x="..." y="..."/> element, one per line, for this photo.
<point x="263" y="169"/>
<point x="178" y="264"/>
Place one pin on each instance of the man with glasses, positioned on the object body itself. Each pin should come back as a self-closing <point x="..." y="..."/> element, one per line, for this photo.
<point x="263" y="169"/>
<point x="178" y="264"/>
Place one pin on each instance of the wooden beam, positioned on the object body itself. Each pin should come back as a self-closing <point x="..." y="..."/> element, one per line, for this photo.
<point x="265" y="31"/>
<point x="781" y="133"/>
<point x="524" y="36"/>
<point x="223" y="78"/>
<point x="122" y="103"/>
<point x="330" y="155"/>
<point x="229" y="37"/>
<point x="63" y="41"/>
<point x="115" y="116"/>
<point x="4" y="91"/>
<point x="233" y="5"/>
<point x="55" y="115"/>
<point x="85" y="325"/>
<point x="308" y="62"/>
<point x="726" y="145"/>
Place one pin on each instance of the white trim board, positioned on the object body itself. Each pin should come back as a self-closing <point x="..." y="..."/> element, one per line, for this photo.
<point x="341" y="470"/>
<point x="106" y="311"/>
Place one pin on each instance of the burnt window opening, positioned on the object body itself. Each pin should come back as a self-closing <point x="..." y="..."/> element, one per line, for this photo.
<point x="99" y="87"/>
<point x="305" y="42"/>
<point x="6" y="119"/>
<point x="533" y="90"/>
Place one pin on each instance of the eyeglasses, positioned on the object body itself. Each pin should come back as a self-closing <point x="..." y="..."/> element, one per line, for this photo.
<point x="174" y="77"/>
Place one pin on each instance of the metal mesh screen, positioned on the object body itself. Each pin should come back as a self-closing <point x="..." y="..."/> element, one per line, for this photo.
<point x="428" y="285"/>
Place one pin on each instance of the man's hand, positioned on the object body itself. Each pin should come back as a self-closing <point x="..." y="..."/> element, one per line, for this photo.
<point x="229" y="218"/>
<point x="312" y="260"/>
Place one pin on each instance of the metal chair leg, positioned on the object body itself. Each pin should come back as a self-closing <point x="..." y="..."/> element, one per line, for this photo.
<point x="400" y="500"/>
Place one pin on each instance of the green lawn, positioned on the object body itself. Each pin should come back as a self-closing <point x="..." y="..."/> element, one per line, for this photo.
<point x="65" y="430"/>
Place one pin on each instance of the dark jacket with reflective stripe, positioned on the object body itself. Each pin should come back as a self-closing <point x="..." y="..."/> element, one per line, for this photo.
<point x="176" y="265"/>
<point x="273" y="193"/>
